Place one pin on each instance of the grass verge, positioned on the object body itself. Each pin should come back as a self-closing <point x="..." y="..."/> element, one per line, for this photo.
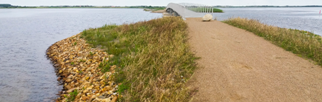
<point x="299" y="42"/>
<point x="153" y="58"/>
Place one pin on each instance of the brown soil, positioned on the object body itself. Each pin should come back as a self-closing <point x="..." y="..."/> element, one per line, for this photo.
<point x="240" y="66"/>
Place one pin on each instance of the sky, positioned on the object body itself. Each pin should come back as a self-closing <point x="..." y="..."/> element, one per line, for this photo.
<point x="158" y="2"/>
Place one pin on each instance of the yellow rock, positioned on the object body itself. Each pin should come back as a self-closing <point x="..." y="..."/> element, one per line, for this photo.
<point x="114" y="99"/>
<point x="68" y="80"/>
<point x="90" y="77"/>
<point x="107" y="88"/>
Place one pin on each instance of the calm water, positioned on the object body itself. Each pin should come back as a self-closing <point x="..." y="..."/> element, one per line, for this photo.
<point x="26" y="75"/>
<point x="25" y="34"/>
<point x="297" y="18"/>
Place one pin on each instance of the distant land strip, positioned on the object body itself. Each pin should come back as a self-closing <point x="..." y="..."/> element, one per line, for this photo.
<point x="78" y="6"/>
<point x="144" y="6"/>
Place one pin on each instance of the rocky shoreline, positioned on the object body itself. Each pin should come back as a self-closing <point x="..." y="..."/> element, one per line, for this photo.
<point x="77" y="68"/>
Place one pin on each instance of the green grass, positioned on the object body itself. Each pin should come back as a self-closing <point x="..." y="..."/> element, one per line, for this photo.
<point x="202" y="9"/>
<point x="150" y="56"/>
<point x="302" y="43"/>
<point x="154" y="8"/>
<point x="158" y="8"/>
<point x="71" y="96"/>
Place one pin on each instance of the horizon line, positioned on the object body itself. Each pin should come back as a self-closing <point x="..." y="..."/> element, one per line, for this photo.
<point x="159" y="5"/>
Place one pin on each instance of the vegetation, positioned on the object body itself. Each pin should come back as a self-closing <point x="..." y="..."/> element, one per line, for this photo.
<point x="203" y="10"/>
<point x="83" y="6"/>
<point x="159" y="8"/>
<point x="72" y="96"/>
<point x="300" y="42"/>
<point x="5" y="5"/>
<point x="150" y="8"/>
<point x="153" y="58"/>
<point x="154" y="9"/>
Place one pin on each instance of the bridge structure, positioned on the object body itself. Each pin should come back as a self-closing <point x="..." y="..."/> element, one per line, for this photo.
<point x="187" y="10"/>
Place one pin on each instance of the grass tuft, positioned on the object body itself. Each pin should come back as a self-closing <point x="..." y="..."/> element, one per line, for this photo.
<point x="72" y="96"/>
<point x="152" y="58"/>
<point x="302" y="43"/>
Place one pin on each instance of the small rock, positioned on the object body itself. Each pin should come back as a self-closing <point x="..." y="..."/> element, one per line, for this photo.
<point x="59" y="78"/>
<point x="71" y="90"/>
<point x="101" y="97"/>
<point x="56" y="65"/>
<point x="114" y="99"/>
<point x="207" y="17"/>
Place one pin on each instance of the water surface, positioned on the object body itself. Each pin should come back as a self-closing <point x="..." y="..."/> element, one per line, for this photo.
<point x="26" y="75"/>
<point x="303" y="18"/>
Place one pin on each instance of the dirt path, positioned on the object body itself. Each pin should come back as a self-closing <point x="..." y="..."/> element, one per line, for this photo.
<point x="240" y="66"/>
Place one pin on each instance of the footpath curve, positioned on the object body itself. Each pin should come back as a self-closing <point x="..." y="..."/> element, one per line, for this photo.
<point x="237" y="65"/>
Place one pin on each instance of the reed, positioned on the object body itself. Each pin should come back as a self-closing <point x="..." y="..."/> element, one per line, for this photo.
<point x="302" y="43"/>
<point x="152" y="57"/>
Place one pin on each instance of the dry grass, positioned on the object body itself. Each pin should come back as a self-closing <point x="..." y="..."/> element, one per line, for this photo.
<point x="300" y="42"/>
<point x="153" y="58"/>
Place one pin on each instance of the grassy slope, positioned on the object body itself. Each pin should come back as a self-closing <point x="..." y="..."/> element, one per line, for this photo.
<point x="303" y="43"/>
<point x="153" y="57"/>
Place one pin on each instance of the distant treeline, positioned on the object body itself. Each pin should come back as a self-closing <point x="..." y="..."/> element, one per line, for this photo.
<point x="143" y="6"/>
<point x="5" y="5"/>
<point x="149" y="7"/>
<point x="78" y="6"/>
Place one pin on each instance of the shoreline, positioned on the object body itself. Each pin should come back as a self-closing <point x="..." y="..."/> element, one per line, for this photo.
<point x="76" y="65"/>
<point x="90" y="74"/>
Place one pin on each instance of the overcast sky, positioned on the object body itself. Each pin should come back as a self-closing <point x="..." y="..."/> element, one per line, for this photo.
<point x="159" y="2"/>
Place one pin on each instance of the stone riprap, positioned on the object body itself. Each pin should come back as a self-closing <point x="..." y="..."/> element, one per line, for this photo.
<point x="77" y="65"/>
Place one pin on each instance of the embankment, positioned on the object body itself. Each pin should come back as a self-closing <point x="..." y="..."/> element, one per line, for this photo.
<point x="76" y="65"/>
<point x="145" y="61"/>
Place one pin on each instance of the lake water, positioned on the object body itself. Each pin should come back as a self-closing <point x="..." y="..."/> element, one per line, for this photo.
<point x="301" y="18"/>
<point x="26" y="75"/>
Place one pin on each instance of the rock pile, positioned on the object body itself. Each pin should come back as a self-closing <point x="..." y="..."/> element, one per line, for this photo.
<point x="76" y="65"/>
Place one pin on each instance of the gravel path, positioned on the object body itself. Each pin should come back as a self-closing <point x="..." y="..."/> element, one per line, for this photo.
<point x="240" y="66"/>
